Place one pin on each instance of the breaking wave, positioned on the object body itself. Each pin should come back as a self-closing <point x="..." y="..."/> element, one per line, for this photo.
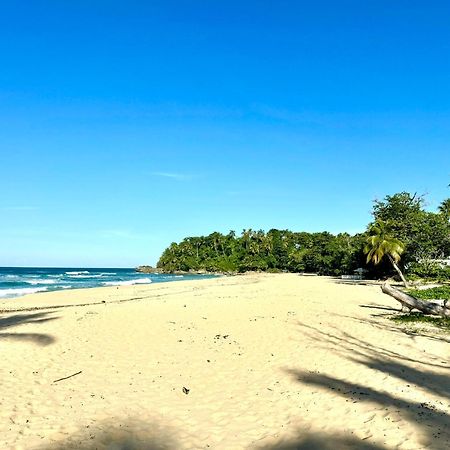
<point x="18" y="292"/>
<point x="128" y="282"/>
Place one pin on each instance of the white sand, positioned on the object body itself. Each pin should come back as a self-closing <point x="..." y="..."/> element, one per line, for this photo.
<point x="270" y="361"/>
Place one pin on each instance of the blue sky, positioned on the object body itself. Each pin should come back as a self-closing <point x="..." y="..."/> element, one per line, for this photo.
<point x="125" y="126"/>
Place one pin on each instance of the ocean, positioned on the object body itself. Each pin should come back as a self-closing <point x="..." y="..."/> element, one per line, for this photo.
<point x="18" y="281"/>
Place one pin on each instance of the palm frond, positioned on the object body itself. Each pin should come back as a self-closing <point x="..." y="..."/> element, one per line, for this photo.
<point x="381" y="243"/>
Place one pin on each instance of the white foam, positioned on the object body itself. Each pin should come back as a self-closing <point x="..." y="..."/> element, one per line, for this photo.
<point x="84" y="276"/>
<point x="19" y="292"/>
<point x="128" y="282"/>
<point x="35" y="282"/>
<point x="82" y="272"/>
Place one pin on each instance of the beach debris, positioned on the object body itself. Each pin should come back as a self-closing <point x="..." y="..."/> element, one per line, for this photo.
<point x="69" y="376"/>
<point x="185" y="390"/>
<point x="218" y="336"/>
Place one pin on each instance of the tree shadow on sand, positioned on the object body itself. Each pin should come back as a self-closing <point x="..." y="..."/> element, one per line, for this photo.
<point x="323" y="441"/>
<point x="430" y="418"/>
<point x="432" y="334"/>
<point x="381" y="307"/>
<point x="350" y="346"/>
<point x="15" y="320"/>
<point x="117" y="435"/>
<point x="351" y="282"/>
<point x="139" y="435"/>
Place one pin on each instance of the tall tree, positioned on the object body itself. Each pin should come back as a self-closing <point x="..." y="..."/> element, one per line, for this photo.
<point x="426" y="235"/>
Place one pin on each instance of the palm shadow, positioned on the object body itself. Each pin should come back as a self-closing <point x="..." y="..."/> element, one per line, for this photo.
<point x="351" y="282"/>
<point x="15" y="320"/>
<point x="350" y="346"/>
<point x="381" y="307"/>
<point x="432" y="422"/>
<point x="432" y="376"/>
<point x="395" y="328"/>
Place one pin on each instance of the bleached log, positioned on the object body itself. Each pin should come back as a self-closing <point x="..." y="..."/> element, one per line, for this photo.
<point x="410" y="302"/>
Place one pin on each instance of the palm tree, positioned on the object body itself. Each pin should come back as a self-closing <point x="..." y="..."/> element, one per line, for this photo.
<point x="246" y="238"/>
<point x="380" y="244"/>
<point x="444" y="208"/>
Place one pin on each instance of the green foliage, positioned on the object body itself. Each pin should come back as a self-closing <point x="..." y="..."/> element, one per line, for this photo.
<point x="429" y="270"/>
<point x="439" y="322"/>
<point x="444" y="208"/>
<point x="274" y="251"/>
<point x="425" y="235"/>
<point x="441" y="292"/>
<point x="381" y="243"/>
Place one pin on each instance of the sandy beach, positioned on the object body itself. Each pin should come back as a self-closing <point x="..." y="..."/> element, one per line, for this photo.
<point x="247" y="362"/>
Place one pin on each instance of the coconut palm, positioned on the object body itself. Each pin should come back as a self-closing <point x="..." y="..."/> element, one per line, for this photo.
<point x="380" y="244"/>
<point x="444" y="208"/>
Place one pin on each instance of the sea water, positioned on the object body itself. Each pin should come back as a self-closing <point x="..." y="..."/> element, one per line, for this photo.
<point x="18" y="281"/>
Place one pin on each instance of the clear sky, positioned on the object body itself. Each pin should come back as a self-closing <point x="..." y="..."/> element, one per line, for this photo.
<point x="126" y="125"/>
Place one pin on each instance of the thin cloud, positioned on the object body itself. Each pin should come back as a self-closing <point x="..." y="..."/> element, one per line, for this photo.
<point x="19" y="208"/>
<point x="173" y="176"/>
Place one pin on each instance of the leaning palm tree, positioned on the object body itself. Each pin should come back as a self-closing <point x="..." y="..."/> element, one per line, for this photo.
<point x="380" y="244"/>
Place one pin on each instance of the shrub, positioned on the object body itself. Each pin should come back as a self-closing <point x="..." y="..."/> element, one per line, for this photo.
<point x="442" y="292"/>
<point x="429" y="272"/>
<point x="439" y="322"/>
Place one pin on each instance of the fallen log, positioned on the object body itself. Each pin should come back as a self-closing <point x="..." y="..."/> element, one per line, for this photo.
<point x="410" y="302"/>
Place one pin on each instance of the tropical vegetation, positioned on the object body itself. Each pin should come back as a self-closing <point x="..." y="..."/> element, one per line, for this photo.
<point x="380" y="243"/>
<point x="419" y="318"/>
<point x="439" y="292"/>
<point x="402" y="238"/>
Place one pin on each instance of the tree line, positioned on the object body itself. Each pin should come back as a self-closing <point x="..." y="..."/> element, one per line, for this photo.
<point x="424" y="239"/>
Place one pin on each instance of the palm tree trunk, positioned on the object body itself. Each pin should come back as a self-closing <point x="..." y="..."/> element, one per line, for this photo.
<point x="410" y="302"/>
<point x="400" y="274"/>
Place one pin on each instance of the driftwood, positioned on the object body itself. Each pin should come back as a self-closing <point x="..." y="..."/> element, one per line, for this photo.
<point x="410" y="302"/>
<point x="70" y="376"/>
